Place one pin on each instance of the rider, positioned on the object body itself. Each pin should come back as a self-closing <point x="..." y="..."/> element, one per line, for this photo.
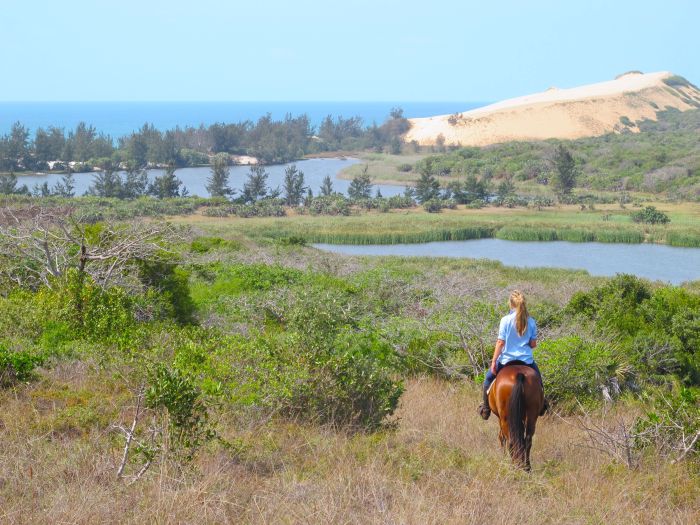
<point x="517" y="336"/>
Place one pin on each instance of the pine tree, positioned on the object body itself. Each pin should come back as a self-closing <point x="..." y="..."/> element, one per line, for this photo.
<point x="256" y="186"/>
<point x="293" y="185"/>
<point x="566" y="172"/>
<point x="427" y="188"/>
<point x="66" y="186"/>
<point x="106" y="183"/>
<point x="167" y="185"/>
<point x="327" y="186"/>
<point x="361" y="186"/>
<point x="217" y="183"/>
<point x="135" y="183"/>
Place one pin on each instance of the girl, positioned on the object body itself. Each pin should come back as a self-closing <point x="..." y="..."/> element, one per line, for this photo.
<point x="517" y="336"/>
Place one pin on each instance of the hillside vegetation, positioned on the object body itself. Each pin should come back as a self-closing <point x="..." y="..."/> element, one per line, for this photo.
<point x="161" y="373"/>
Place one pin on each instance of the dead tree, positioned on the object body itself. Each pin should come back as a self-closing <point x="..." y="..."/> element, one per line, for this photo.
<point x="40" y="244"/>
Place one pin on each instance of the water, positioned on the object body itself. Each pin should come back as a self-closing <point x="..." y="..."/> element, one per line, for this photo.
<point x="651" y="261"/>
<point x="195" y="179"/>
<point x="121" y="118"/>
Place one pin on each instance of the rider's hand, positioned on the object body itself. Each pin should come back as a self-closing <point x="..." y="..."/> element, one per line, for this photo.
<point x="493" y="367"/>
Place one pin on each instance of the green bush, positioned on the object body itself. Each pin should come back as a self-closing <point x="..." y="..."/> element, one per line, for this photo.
<point x="650" y="215"/>
<point x="433" y="206"/>
<point x="576" y="369"/>
<point x="17" y="366"/>
<point x="670" y="425"/>
<point x="207" y="244"/>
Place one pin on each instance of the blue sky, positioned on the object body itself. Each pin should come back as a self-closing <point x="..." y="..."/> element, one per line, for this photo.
<point x="324" y="50"/>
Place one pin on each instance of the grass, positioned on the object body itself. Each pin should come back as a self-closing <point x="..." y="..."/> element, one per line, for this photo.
<point x="441" y="464"/>
<point x="568" y="223"/>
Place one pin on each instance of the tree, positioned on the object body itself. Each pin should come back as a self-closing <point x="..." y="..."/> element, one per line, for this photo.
<point x="427" y="188"/>
<point x="135" y="183"/>
<point x="217" y="183"/>
<point x="8" y="185"/>
<point x="66" y="186"/>
<point x="565" y="171"/>
<point x="167" y="186"/>
<point x="256" y="186"/>
<point x="505" y="188"/>
<point x="41" y="190"/>
<point x="106" y="183"/>
<point x="361" y="185"/>
<point x="327" y="186"/>
<point x="43" y="243"/>
<point x="293" y="185"/>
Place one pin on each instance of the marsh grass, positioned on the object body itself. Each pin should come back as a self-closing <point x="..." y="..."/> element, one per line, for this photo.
<point x="414" y="227"/>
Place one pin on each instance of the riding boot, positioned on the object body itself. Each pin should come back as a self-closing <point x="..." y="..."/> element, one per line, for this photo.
<point x="484" y="409"/>
<point x="545" y="407"/>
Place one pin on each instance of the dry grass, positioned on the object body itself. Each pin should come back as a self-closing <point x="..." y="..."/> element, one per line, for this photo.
<point x="441" y="464"/>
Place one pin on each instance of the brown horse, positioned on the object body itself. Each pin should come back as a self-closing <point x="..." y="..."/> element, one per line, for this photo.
<point x="516" y="397"/>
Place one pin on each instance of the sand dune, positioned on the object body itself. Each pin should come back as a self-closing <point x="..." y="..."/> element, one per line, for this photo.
<point x="583" y="111"/>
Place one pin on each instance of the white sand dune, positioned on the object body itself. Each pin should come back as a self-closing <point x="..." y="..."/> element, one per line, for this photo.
<point x="583" y="111"/>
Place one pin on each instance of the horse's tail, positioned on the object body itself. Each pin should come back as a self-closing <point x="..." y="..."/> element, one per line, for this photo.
<point x="516" y="415"/>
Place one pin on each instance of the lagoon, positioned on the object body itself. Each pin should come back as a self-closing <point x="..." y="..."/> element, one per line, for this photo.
<point x="651" y="261"/>
<point x="195" y="179"/>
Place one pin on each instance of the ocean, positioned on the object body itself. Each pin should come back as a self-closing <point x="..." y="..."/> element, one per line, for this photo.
<point x="121" y="118"/>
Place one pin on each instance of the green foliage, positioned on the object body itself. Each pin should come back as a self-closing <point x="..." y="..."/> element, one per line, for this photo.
<point x="433" y="206"/>
<point x="188" y="420"/>
<point x="565" y="170"/>
<point x="650" y="215"/>
<point x="671" y="424"/>
<point x="17" y="365"/>
<point x="427" y="188"/>
<point x="293" y="185"/>
<point x="360" y="186"/>
<point x="659" y="330"/>
<point x="206" y="244"/>
<point x="217" y="183"/>
<point x="171" y="282"/>
<point x="576" y="369"/>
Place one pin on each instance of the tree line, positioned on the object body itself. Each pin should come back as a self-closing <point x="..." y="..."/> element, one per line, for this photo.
<point x="270" y="141"/>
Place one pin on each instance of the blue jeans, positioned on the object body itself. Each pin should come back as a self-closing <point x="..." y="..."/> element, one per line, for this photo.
<point x="490" y="376"/>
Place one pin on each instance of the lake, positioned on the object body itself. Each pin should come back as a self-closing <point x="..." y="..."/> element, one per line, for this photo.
<point x="195" y="179"/>
<point x="651" y="261"/>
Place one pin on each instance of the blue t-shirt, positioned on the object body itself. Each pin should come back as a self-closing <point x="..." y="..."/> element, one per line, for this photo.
<point x="517" y="346"/>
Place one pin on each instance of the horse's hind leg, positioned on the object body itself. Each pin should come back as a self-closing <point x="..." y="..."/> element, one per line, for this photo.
<point x="529" y="432"/>
<point x="503" y="433"/>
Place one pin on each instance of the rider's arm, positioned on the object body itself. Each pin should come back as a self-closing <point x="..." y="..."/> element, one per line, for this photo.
<point x="500" y="343"/>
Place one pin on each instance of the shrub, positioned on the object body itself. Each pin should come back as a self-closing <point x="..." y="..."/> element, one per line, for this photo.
<point x="216" y="211"/>
<point x="16" y="366"/>
<point x="329" y="205"/>
<point x="650" y="215"/>
<point x="207" y="244"/>
<point x="433" y="206"/>
<point x="671" y="425"/>
<point x="405" y="168"/>
<point x="575" y="369"/>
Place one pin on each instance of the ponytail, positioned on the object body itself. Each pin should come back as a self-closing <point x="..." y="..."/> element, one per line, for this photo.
<point x="517" y="302"/>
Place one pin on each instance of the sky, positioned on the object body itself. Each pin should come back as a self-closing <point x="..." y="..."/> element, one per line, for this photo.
<point x="362" y="50"/>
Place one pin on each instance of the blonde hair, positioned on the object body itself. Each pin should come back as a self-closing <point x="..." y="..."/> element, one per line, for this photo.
<point x="517" y="302"/>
